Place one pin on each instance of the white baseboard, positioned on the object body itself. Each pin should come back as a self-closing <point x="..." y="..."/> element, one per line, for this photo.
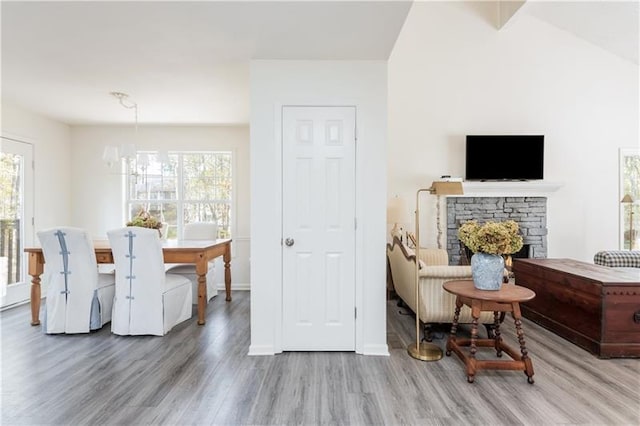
<point x="258" y="350"/>
<point x="375" y="350"/>
<point x="236" y="286"/>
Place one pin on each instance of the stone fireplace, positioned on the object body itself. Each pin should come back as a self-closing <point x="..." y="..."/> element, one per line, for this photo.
<point x="529" y="212"/>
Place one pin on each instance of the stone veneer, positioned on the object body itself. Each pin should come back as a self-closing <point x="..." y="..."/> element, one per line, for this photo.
<point x="529" y="212"/>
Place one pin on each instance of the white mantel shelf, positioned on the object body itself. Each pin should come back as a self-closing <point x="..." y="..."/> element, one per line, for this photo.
<point x="509" y="189"/>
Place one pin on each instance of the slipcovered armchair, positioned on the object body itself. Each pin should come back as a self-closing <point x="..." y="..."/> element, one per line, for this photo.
<point x="198" y="231"/>
<point x="79" y="299"/>
<point x="147" y="300"/>
<point x="436" y="305"/>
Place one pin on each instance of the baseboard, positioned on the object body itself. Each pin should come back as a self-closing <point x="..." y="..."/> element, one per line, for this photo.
<point x="235" y="286"/>
<point x="258" y="350"/>
<point x="375" y="350"/>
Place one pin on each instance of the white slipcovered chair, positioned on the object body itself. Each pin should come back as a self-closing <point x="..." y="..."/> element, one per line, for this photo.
<point x="147" y="300"/>
<point x="79" y="299"/>
<point x="198" y="231"/>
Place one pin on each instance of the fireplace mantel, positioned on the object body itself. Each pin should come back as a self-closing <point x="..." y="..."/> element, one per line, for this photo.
<point x="509" y="189"/>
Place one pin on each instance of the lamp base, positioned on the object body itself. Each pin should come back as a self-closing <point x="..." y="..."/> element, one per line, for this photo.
<point x="425" y="351"/>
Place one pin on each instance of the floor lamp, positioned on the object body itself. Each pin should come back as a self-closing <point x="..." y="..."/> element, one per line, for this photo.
<point x="628" y="200"/>
<point x="426" y="351"/>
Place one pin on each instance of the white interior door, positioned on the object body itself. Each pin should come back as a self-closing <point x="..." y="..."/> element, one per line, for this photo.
<point x="16" y="216"/>
<point x="319" y="145"/>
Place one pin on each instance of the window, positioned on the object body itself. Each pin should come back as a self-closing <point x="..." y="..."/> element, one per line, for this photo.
<point x="630" y="185"/>
<point x="187" y="187"/>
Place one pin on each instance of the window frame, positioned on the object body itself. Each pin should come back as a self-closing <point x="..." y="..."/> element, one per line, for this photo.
<point x="622" y="211"/>
<point x="131" y="166"/>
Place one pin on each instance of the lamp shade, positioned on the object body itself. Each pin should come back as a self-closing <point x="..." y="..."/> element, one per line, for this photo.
<point x="143" y="159"/>
<point x="446" y="188"/>
<point x="128" y="150"/>
<point x="626" y="199"/>
<point x="396" y="210"/>
<point x="110" y="155"/>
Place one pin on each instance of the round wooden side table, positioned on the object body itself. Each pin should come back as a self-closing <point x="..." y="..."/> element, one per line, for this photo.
<point x="507" y="299"/>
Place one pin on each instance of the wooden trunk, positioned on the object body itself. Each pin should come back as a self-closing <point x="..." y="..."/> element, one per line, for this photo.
<point x="595" y="307"/>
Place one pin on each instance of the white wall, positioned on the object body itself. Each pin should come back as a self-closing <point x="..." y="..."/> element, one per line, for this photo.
<point x="97" y="190"/>
<point x="52" y="146"/>
<point x="452" y="73"/>
<point x="277" y="83"/>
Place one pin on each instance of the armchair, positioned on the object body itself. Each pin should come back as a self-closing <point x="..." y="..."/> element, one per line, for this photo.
<point x="436" y="305"/>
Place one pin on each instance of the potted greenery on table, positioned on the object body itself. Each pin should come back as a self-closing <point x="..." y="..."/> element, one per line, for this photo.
<point x="489" y="242"/>
<point x="144" y="219"/>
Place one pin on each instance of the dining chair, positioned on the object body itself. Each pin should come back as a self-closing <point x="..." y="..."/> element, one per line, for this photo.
<point x="198" y="231"/>
<point x="147" y="300"/>
<point x="79" y="299"/>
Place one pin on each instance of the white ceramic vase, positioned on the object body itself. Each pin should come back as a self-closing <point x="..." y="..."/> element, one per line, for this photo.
<point x="487" y="271"/>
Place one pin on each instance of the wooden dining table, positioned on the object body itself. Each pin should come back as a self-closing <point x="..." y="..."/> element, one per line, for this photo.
<point x="197" y="252"/>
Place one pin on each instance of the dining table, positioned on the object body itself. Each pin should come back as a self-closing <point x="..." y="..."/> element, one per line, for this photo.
<point x="196" y="252"/>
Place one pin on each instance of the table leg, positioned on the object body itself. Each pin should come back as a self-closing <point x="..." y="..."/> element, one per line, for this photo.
<point x="202" y="298"/>
<point x="35" y="300"/>
<point x="36" y="267"/>
<point x="227" y="271"/>
<point x="528" y="365"/>
<point x="454" y="326"/>
<point x="496" y="331"/>
<point x="471" y="363"/>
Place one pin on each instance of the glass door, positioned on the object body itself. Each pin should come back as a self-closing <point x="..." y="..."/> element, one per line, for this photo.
<point x="16" y="219"/>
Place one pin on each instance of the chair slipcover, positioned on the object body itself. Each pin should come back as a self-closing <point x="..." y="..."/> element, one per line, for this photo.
<point x="79" y="299"/>
<point x="147" y="301"/>
<point x="198" y="231"/>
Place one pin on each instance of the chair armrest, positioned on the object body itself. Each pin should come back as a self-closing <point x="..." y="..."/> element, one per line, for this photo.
<point x="443" y="271"/>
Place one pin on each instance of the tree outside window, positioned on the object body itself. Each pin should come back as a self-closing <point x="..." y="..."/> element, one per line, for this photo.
<point x="190" y="187"/>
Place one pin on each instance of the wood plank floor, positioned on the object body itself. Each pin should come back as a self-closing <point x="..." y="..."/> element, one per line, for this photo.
<point x="202" y="375"/>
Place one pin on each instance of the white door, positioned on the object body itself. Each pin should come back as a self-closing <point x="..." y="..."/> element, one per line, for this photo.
<point x="16" y="216"/>
<point x="318" y="222"/>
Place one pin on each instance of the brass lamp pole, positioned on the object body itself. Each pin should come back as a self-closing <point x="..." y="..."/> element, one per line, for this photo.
<point x="426" y="351"/>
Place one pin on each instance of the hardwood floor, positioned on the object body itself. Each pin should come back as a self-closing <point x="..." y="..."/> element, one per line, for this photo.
<point x="202" y="375"/>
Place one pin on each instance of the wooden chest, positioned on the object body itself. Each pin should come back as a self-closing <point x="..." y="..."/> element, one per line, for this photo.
<point x="595" y="307"/>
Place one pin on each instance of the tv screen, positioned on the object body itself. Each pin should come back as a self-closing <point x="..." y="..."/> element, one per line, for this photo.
<point x="504" y="157"/>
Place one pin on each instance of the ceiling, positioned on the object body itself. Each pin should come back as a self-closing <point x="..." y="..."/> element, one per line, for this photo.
<point x="181" y="62"/>
<point x="611" y="25"/>
<point x="188" y="62"/>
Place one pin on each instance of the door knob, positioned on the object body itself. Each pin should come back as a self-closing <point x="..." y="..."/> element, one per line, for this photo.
<point x="289" y="242"/>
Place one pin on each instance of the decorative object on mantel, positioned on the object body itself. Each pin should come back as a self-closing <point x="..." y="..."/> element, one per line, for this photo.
<point x="396" y="214"/>
<point x="627" y="199"/>
<point x="426" y="351"/>
<point x="489" y="242"/>
<point x="144" y="219"/>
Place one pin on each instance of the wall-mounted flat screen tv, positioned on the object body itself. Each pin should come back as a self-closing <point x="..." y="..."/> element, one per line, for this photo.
<point x="504" y="157"/>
